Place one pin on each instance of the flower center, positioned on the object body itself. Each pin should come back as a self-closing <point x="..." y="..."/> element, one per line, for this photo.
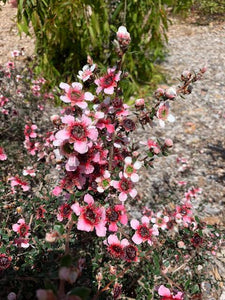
<point x="108" y="80"/>
<point x="78" y="132"/>
<point x="130" y="252"/>
<point x="113" y="216"/>
<point x="75" y="95"/>
<point x="23" y="230"/>
<point x="144" y="232"/>
<point x="125" y="185"/>
<point x="90" y="216"/>
<point x="129" y="169"/>
<point x="66" y="210"/>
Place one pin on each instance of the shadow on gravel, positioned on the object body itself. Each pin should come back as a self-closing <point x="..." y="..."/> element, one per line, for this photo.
<point x="217" y="152"/>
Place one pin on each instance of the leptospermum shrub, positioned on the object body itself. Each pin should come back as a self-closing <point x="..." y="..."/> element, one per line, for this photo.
<point x="81" y="238"/>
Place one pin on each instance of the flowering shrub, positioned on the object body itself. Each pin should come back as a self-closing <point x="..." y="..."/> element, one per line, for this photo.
<point x="80" y="238"/>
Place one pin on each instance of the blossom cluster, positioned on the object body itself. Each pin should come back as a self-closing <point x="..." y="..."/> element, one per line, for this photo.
<point x="98" y="167"/>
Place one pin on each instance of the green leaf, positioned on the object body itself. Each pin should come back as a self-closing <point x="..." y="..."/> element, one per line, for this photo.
<point x="82" y="292"/>
<point x="66" y="261"/>
<point x="59" y="228"/>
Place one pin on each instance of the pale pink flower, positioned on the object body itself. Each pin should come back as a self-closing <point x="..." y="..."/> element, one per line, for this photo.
<point x="167" y="295"/>
<point x="10" y="65"/>
<point x="17" y="181"/>
<point x="29" y="131"/>
<point x="123" y="36"/>
<point x="152" y="146"/>
<point x="3" y="156"/>
<point x="103" y="182"/>
<point x="75" y="95"/>
<point x="108" y="82"/>
<point x="86" y="72"/>
<point x="143" y="231"/>
<point x="78" y="132"/>
<point x="125" y="186"/>
<point x="160" y="220"/>
<point x="21" y="242"/>
<point x="163" y="114"/>
<point x="21" y="228"/>
<point x="29" y="171"/>
<point x="130" y="169"/>
<point x="90" y="217"/>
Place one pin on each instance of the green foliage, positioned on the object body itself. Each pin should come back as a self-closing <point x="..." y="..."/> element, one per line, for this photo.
<point x="67" y="31"/>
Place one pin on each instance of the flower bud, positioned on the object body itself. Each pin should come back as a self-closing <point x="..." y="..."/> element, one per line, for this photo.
<point x="51" y="237"/>
<point x="55" y="119"/>
<point x="123" y="36"/>
<point x="11" y="296"/>
<point x="68" y="274"/>
<point x="168" y="143"/>
<point x="186" y="75"/>
<point x="170" y="93"/>
<point x="203" y="70"/>
<point x="159" y="93"/>
<point x="139" y="103"/>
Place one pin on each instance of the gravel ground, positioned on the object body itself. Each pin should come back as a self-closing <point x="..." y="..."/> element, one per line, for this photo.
<point x="198" y="132"/>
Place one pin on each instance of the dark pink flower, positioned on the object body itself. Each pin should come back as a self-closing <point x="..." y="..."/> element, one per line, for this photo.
<point x="75" y="95"/>
<point x="21" y="228"/>
<point x="78" y="132"/>
<point x="29" y="131"/>
<point x="3" y="156"/>
<point x="114" y="215"/>
<point x="143" y="231"/>
<point x="65" y="212"/>
<point x="5" y="262"/>
<point x="108" y="82"/>
<point x="90" y="217"/>
<point x="124" y="186"/>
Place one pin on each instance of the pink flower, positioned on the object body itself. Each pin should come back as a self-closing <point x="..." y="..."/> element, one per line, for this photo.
<point x="21" y="228"/>
<point x="184" y="214"/>
<point x="17" y="181"/>
<point x="160" y="221"/>
<point x="123" y="36"/>
<point x="108" y="82"/>
<point x="21" y="242"/>
<point x="90" y="217"/>
<point x="143" y="232"/>
<point x="78" y="132"/>
<point x="86" y="72"/>
<point x="115" y="246"/>
<point x="103" y="182"/>
<point x="163" y="114"/>
<point x="167" y="295"/>
<point x="29" y="131"/>
<point x="75" y="95"/>
<point x="152" y="146"/>
<point x="29" y="171"/>
<point x="5" y="261"/>
<point x="65" y="212"/>
<point x="3" y="156"/>
<point x="40" y="212"/>
<point x="114" y="215"/>
<point x="130" y="169"/>
<point x="124" y="186"/>
<point x="10" y="65"/>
